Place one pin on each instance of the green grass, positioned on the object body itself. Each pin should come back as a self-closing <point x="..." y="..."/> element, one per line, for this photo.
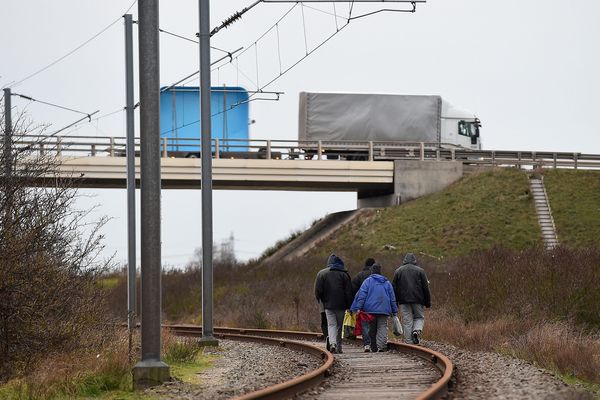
<point x="186" y="358"/>
<point x="109" y="282"/>
<point x="571" y="380"/>
<point x="90" y="387"/>
<point x="481" y="211"/>
<point x="575" y="202"/>
<point x="188" y="371"/>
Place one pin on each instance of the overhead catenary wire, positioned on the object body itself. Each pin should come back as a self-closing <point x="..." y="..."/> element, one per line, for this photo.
<point x="413" y="10"/>
<point x="17" y="83"/>
<point x="197" y="72"/>
<point x="50" y="104"/>
<point x="73" y="124"/>
<point x="108" y="114"/>
<point x="231" y="107"/>
<point x="189" y="39"/>
<point x="308" y="52"/>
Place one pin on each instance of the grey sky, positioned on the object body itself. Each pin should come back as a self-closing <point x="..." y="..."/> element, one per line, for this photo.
<point x="528" y="69"/>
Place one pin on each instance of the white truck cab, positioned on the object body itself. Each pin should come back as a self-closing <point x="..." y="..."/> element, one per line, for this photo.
<point x="459" y="127"/>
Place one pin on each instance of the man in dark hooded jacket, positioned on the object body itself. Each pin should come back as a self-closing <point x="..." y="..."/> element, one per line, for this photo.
<point x="334" y="289"/>
<point x="411" y="288"/>
<point x="357" y="281"/>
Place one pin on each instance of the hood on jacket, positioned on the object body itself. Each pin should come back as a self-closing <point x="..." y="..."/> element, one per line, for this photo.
<point x="368" y="263"/>
<point x="334" y="262"/>
<point x="410" y="259"/>
<point x="378" y="278"/>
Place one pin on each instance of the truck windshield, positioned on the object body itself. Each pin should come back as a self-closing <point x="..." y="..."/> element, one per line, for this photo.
<point x="470" y="129"/>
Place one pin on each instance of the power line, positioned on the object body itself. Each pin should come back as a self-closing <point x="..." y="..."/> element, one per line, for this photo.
<point x="275" y="26"/>
<point x="74" y="123"/>
<point x="229" y="55"/>
<point x="78" y="124"/>
<point x="189" y="40"/>
<point x="231" y="107"/>
<point x="49" y="104"/>
<point x="74" y="50"/>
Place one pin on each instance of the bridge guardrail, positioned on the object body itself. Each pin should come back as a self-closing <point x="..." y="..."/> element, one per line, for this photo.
<point x="101" y="146"/>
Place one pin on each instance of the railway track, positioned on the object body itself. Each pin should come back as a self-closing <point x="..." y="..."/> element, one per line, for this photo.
<point x="416" y="372"/>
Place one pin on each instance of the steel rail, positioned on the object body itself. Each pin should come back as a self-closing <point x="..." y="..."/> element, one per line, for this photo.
<point x="438" y="360"/>
<point x="281" y="390"/>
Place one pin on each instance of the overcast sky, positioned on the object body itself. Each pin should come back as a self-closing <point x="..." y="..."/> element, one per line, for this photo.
<point x="528" y="69"/>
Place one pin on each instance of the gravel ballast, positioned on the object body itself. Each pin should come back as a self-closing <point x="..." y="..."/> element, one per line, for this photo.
<point x="241" y="367"/>
<point x="483" y="375"/>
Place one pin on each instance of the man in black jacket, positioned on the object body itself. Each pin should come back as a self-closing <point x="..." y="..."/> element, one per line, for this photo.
<point x="334" y="289"/>
<point x="356" y="283"/>
<point x="411" y="288"/>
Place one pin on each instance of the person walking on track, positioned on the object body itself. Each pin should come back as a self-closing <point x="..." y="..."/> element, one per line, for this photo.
<point x="357" y="281"/>
<point x="411" y="288"/>
<point x="322" y="310"/>
<point x="334" y="289"/>
<point x="376" y="297"/>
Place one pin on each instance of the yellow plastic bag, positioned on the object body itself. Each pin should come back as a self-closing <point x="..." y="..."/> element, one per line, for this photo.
<point x="348" y="326"/>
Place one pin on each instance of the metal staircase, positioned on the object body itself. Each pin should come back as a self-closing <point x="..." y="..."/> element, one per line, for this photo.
<point x="544" y="213"/>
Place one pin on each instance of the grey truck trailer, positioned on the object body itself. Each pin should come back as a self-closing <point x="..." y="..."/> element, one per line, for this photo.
<point x="335" y="119"/>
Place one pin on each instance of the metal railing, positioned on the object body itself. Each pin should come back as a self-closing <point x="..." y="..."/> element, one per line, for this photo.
<point x="101" y="146"/>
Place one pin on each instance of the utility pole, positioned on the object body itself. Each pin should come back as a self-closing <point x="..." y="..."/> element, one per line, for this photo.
<point x="130" y="148"/>
<point x="7" y="133"/>
<point x="206" y="165"/>
<point x="150" y="370"/>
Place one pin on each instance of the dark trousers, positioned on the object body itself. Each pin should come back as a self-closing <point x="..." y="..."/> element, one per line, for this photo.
<point x="324" y="324"/>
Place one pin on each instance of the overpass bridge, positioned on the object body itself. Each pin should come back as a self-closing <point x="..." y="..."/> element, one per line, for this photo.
<point x="381" y="173"/>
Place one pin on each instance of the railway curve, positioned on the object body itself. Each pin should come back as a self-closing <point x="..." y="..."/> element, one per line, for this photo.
<point x="435" y="387"/>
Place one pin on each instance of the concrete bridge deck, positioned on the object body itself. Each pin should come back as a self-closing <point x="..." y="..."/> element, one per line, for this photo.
<point x="185" y="173"/>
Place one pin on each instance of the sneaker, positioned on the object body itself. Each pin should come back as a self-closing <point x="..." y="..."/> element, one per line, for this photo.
<point x="382" y="350"/>
<point x="333" y="348"/>
<point x="367" y="349"/>
<point x="415" y="337"/>
<point x="340" y="351"/>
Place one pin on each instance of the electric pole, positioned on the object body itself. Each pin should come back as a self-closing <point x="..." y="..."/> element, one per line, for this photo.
<point x="150" y="370"/>
<point x="206" y="160"/>
<point x="130" y="150"/>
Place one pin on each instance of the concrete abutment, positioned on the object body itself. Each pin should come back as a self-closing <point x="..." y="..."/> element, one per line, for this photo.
<point x="413" y="179"/>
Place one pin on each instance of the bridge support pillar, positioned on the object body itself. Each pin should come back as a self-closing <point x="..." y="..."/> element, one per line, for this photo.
<point x="413" y="179"/>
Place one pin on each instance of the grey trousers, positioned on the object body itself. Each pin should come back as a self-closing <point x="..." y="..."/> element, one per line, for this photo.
<point x="335" y="319"/>
<point x="378" y="332"/>
<point x="413" y="319"/>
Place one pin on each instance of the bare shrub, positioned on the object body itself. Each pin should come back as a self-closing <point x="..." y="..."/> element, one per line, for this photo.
<point x="530" y="284"/>
<point x="88" y="371"/>
<point x="48" y="265"/>
<point x="558" y="346"/>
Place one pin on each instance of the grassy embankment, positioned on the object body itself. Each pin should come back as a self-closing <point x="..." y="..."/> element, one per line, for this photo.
<point x="575" y="202"/>
<point x="482" y="211"/>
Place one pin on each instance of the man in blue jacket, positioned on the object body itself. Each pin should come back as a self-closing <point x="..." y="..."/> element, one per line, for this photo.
<point x="376" y="297"/>
<point x="334" y="289"/>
